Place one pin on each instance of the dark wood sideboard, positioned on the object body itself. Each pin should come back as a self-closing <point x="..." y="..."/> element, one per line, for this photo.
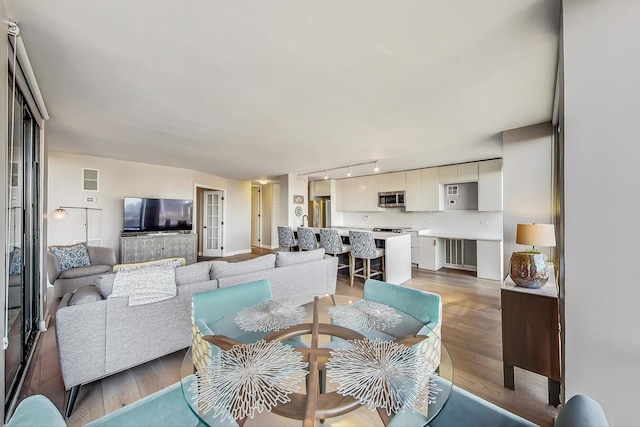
<point x="531" y="334"/>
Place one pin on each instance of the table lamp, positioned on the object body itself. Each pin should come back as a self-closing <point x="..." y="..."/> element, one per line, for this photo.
<point x="528" y="269"/>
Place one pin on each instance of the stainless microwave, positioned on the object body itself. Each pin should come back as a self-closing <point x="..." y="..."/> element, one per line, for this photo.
<point x="391" y="199"/>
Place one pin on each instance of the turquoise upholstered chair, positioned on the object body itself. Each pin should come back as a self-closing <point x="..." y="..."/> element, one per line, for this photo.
<point x="212" y="314"/>
<point x="466" y="409"/>
<point x="422" y="306"/>
<point x="36" y="410"/>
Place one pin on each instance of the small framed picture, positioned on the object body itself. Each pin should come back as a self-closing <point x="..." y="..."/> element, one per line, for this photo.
<point x="298" y="199"/>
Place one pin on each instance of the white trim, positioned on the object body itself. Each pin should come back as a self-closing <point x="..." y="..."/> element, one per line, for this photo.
<point x="30" y="77"/>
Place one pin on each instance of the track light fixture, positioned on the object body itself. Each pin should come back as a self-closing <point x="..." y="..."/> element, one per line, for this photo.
<point x="325" y="172"/>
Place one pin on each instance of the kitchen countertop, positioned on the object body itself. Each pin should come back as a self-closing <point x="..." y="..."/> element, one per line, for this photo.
<point x="459" y="236"/>
<point x="380" y="235"/>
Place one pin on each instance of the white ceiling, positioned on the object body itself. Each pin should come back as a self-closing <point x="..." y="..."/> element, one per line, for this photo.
<point x="253" y="89"/>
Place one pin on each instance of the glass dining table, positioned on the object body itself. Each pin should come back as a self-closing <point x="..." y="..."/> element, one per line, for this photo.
<point x="356" y="363"/>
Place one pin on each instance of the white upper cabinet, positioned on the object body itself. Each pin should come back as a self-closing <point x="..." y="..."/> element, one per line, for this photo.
<point x="423" y="190"/>
<point x="463" y="172"/>
<point x="357" y="194"/>
<point x="321" y="188"/>
<point x="413" y="193"/>
<point x="371" y="194"/>
<point x="395" y="181"/>
<point x="490" y="185"/>
<point x="345" y="193"/>
<point x="431" y="190"/>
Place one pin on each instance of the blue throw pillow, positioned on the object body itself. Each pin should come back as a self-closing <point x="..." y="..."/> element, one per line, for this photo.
<point x="15" y="268"/>
<point x="73" y="256"/>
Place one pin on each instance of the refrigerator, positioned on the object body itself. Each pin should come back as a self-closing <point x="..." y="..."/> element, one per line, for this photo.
<point x="320" y="212"/>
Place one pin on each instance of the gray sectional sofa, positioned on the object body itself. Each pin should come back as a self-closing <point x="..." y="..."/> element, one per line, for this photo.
<point x="100" y="335"/>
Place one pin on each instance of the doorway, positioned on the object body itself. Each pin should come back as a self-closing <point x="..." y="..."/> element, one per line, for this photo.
<point x="212" y="222"/>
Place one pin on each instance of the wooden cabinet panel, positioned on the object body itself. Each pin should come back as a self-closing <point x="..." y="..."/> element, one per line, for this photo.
<point x="530" y="336"/>
<point x="468" y="172"/>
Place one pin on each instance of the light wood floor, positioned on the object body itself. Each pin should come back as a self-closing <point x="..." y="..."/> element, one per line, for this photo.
<point x="471" y="332"/>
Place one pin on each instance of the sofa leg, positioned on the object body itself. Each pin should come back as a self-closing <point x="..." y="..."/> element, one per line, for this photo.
<point x="73" y="394"/>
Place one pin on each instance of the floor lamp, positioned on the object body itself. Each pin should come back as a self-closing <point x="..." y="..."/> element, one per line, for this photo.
<point x="61" y="214"/>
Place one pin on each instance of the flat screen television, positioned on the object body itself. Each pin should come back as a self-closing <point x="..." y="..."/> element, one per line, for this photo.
<point x="144" y="214"/>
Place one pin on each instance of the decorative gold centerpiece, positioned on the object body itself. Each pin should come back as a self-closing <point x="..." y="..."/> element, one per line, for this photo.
<point x="528" y="269"/>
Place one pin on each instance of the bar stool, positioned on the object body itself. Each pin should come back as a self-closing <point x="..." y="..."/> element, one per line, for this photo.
<point x="363" y="246"/>
<point x="331" y="241"/>
<point x="286" y="239"/>
<point x="307" y="239"/>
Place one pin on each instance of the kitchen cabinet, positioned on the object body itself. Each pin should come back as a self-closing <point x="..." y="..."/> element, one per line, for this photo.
<point x="430" y="253"/>
<point x="152" y="247"/>
<point x="321" y="188"/>
<point x="345" y="194"/>
<point x="357" y="194"/>
<point x="415" y="249"/>
<point x="490" y="185"/>
<point x="531" y="334"/>
<point x="395" y="181"/>
<point x="370" y="196"/>
<point x="489" y="259"/>
<point x="423" y="191"/>
<point x="463" y="172"/>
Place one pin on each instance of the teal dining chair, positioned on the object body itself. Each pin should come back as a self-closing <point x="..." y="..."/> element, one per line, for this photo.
<point x="424" y="308"/>
<point x="212" y="314"/>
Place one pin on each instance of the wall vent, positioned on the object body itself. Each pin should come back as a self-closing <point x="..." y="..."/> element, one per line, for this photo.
<point x="452" y="190"/>
<point x="90" y="179"/>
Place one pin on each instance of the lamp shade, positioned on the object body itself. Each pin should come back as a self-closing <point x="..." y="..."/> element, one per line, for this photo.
<point x="536" y="234"/>
<point x="59" y="214"/>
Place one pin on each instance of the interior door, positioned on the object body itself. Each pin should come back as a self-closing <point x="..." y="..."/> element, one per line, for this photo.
<point x="212" y="223"/>
<point x="256" y="212"/>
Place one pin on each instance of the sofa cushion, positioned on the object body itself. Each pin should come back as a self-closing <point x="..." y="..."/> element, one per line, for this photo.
<point x="85" y="294"/>
<point x="193" y="273"/>
<point x="289" y="258"/>
<point x="224" y="269"/>
<point x="105" y="284"/>
<point x="72" y="256"/>
<point x="176" y="262"/>
<point x="84" y="271"/>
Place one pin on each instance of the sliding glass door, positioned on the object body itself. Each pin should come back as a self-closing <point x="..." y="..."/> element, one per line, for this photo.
<point x="22" y="282"/>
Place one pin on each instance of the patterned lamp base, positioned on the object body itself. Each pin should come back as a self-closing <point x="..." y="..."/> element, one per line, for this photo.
<point x="528" y="269"/>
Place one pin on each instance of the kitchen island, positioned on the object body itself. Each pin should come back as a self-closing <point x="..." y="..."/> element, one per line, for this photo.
<point x="397" y="253"/>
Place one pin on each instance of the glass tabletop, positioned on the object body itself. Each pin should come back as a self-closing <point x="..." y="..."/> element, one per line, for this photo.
<point x="341" y="353"/>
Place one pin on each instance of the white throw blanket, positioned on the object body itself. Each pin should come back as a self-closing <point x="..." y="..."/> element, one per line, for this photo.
<point x="145" y="285"/>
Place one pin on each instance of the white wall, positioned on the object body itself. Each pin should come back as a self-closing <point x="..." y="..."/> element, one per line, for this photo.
<point x="602" y="156"/>
<point x="527" y="164"/>
<point x="121" y="178"/>
<point x="289" y="185"/>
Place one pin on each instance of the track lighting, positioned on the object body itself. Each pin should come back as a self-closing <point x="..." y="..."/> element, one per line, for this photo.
<point x="350" y="171"/>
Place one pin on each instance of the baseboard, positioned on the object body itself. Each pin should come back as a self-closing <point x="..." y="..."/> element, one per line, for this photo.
<point x="240" y="252"/>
